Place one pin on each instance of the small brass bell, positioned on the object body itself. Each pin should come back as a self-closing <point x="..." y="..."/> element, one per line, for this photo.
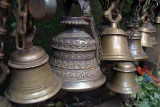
<point x="4" y="102"/>
<point x="145" y="32"/>
<point x="32" y="79"/>
<point x="157" y="35"/>
<point x="123" y="79"/>
<point x="152" y="28"/>
<point x="115" y="41"/>
<point x="135" y="42"/>
<point x="74" y="57"/>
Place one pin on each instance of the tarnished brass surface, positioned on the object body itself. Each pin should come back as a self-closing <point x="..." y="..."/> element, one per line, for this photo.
<point x="114" y="41"/>
<point x="123" y="79"/>
<point x="32" y="79"/>
<point x="74" y="57"/>
<point x="152" y="28"/>
<point x="135" y="42"/>
<point x="4" y="102"/>
<point x="42" y="9"/>
<point x="146" y="36"/>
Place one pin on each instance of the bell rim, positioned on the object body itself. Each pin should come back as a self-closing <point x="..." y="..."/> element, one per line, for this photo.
<point x="147" y="45"/>
<point x="112" y="58"/>
<point x="144" y="29"/>
<point x="86" y="80"/>
<point x="134" y="89"/>
<point x="39" y="99"/>
<point x="72" y="89"/>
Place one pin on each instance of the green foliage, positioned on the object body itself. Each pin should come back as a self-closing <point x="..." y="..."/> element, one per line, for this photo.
<point x="149" y="95"/>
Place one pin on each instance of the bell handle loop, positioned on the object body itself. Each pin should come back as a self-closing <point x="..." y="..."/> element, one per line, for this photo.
<point x="29" y="39"/>
<point x="145" y="18"/>
<point x="20" y="40"/>
<point x="5" y="70"/>
<point x="109" y="16"/>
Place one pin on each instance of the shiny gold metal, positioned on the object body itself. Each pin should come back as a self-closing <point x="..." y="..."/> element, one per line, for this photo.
<point x="74" y="57"/>
<point x="115" y="41"/>
<point x="123" y="79"/>
<point x="32" y="79"/>
<point x="4" y="102"/>
<point x="157" y="19"/>
<point x="135" y="42"/>
<point x="152" y="28"/>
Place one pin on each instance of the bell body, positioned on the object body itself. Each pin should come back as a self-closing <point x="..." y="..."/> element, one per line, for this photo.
<point x="157" y="35"/>
<point x="146" y="37"/>
<point x="123" y="79"/>
<point x="135" y="43"/>
<point x="4" y="102"/>
<point x="115" y="45"/>
<point x="152" y="28"/>
<point x="74" y="58"/>
<point x="32" y="79"/>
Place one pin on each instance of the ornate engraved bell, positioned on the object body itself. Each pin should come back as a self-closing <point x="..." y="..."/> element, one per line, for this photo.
<point x="135" y="42"/>
<point x="152" y="28"/>
<point x="4" y="102"/>
<point x="74" y="57"/>
<point x="123" y="79"/>
<point x="115" y="41"/>
<point x="32" y="79"/>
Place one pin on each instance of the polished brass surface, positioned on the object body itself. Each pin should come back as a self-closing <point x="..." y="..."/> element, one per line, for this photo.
<point x="114" y="41"/>
<point x="32" y="79"/>
<point x="42" y="9"/>
<point x="157" y="19"/>
<point x="146" y="36"/>
<point x="123" y="79"/>
<point x="152" y="28"/>
<point x="4" y="102"/>
<point x="135" y="42"/>
<point x="74" y="57"/>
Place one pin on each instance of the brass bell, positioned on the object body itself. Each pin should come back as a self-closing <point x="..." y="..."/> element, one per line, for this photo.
<point x="74" y="57"/>
<point x="152" y="28"/>
<point x="145" y="32"/>
<point x="115" y="41"/>
<point x="135" y="42"/>
<point x="157" y="35"/>
<point x="4" y="102"/>
<point x="32" y="79"/>
<point x="123" y="79"/>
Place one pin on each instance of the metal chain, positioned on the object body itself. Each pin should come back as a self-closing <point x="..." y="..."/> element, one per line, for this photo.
<point x="22" y="14"/>
<point x="136" y="18"/>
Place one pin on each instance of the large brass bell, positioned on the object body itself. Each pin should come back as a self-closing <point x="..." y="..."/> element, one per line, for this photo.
<point x="3" y="73"/>
<point x="145" y="32"/>
<point x="135" y="42"/>
<point x="32" y="79"/>
<point x="123" y="79"/>
<point x="74" y="57"/>
<point x="115" y="41"/>
<point x="152" y="28"/>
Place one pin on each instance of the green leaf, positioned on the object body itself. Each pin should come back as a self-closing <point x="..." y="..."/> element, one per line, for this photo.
<point x="156" y="95"/>
<point x="13" y="24"/>
<point x="144" y="103"/>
